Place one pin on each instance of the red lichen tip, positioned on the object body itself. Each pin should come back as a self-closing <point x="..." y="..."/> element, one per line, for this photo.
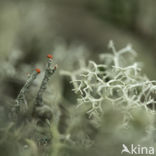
<point x="38" y="70"/>
<point x="50" y="56"/>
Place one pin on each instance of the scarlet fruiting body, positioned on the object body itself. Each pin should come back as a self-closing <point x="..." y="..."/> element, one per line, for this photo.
<point x="38" y="70"/>
<point x="50" y="56"/>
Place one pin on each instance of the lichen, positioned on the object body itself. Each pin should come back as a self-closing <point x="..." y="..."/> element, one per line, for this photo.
<point x="115" y="81"/>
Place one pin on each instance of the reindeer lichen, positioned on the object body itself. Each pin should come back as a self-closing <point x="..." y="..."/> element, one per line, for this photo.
<point x="115" y="82"/>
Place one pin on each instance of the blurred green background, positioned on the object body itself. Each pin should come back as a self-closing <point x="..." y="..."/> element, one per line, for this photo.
<point x="34" y="27"/>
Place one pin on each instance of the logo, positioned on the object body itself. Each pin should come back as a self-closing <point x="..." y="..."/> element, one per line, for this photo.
<point x="137" y="149"/>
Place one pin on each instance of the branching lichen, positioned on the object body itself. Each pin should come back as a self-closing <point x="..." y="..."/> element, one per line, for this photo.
<point x="114" y="81"/>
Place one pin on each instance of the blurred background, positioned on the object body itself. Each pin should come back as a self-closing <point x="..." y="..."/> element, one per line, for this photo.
<point x="33" y="28"/>
<point x="71" y="30"/>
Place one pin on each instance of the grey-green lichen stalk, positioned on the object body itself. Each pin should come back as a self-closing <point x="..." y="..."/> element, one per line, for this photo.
<point x="48" y="73"/>
<point x="21" y="105"/>
<point x="41" y="111"/>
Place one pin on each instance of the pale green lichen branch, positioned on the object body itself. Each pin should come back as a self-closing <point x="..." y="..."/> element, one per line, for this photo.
<point x="21" y="103"/>
<point x="48" y="73"/>
<point x="113" y="82"/>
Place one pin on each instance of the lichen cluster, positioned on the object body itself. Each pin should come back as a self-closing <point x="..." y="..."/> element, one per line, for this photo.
<point x="110" y="99"/>
<point x="115" y="81"/>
